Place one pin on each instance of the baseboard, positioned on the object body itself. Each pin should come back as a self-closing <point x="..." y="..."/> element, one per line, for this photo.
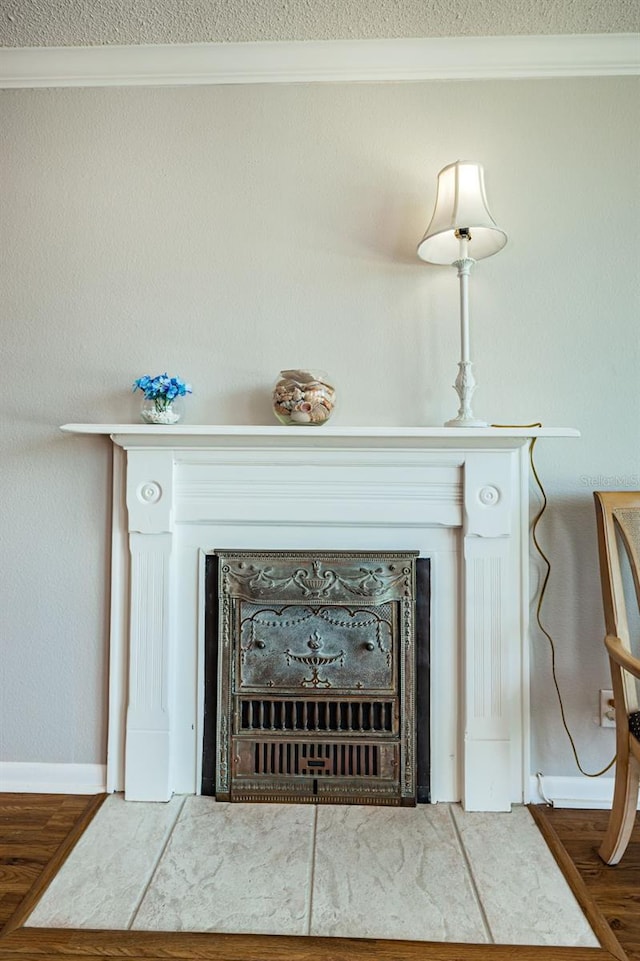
<point x="18" y="777"/>
<point x="430" y="58"/>
<point x="32" y="778"/>
<point x="573" y="792"/>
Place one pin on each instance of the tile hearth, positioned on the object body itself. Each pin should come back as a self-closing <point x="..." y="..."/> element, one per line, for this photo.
<point x="430" y="873"/>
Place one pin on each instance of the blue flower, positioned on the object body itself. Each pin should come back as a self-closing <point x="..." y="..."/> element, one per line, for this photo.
<point x="141" y="383"/>
<point x="162" y="387"/>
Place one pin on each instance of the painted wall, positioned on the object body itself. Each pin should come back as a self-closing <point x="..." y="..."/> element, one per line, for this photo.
<point x="223" y="233"/>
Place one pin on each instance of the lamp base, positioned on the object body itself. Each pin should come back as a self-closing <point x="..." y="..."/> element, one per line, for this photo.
<point x="464" y="387"/>
<point x="465" y="422"/>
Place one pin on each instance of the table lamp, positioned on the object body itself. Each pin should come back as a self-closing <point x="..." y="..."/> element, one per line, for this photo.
<point x="462" y="231"/>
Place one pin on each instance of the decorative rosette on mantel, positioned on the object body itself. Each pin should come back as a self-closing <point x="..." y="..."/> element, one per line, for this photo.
<point x="303" y="398"/>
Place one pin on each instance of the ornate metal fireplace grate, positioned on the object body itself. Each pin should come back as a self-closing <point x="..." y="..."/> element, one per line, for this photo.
<point x="310" y="685"/>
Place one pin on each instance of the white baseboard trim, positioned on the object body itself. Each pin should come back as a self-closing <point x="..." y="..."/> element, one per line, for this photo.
<point x="25" y="777"/>
<point x="573" y="792"/>
<point x="369" y="61"/>
<point x="33" y="778"/>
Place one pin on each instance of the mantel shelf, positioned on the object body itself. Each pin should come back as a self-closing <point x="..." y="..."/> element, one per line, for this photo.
<point x="181" y="435"/>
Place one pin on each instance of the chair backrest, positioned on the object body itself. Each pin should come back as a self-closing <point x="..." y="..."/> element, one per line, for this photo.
<point x="618" y="520"/>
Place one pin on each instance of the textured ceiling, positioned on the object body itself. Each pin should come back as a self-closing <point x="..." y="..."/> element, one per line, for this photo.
<point x="31" y="23"/>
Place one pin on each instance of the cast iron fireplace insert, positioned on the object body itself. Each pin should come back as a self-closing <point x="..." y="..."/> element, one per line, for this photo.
<point x="317" y="677"/>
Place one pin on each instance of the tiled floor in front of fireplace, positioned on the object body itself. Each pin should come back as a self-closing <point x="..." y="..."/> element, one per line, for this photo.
<point x="431" y="873"/>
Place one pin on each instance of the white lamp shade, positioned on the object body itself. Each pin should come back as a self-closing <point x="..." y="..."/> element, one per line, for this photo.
<point x="461" y="203"/>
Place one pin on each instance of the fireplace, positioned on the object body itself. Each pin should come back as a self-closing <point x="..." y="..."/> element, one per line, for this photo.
<point x="457" y="497"/>
<point x="311" y="666"/>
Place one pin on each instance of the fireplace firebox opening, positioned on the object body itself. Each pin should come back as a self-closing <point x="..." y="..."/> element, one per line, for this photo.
<point x="317" y="677"/>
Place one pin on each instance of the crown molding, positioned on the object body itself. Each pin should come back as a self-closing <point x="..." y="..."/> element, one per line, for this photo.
<point x="435" y="58"/>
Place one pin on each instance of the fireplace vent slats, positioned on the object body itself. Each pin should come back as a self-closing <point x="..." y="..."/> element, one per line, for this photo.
<point x="315" y="759"/>
<point x="336" y="717"/>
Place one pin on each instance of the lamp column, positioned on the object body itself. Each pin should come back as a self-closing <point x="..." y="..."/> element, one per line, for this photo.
<point x="465" y="383"/>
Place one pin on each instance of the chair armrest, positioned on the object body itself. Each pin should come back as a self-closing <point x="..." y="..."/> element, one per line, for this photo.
<point x="619" y="654"/>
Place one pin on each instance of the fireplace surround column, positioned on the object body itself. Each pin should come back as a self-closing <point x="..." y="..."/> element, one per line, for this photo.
<point x="148" y="721"/>
<point x="491" y="572"/>
<point x="459" y="497"/>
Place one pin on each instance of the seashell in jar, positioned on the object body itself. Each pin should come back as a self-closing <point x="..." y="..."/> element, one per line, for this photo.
<point x="300" y="376"/>
<point x="318" y="413"/>
<point x="300" y="417"/>
<point x="283" y="394"/>
<point x="315" y="395"/>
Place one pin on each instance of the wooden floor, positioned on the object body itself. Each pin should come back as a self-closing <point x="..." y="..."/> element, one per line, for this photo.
<point x="574" y="836"/>
<point x="37" y="833"/>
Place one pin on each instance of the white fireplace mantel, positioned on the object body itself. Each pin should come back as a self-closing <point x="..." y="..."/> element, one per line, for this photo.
<point x="458" y="496"/>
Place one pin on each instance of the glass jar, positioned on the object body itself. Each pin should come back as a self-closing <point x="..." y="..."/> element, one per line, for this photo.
<point x="160" y="411"/>
<point x="303" y="398"/>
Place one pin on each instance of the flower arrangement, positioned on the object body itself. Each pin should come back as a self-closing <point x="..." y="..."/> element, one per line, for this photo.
<point x="161" y="390"/>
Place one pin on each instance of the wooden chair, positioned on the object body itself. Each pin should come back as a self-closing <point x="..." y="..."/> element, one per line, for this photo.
<point x="618" y="519"/>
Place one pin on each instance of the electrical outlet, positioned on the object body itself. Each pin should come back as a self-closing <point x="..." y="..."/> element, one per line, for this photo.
<point x="607" y="709"/>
